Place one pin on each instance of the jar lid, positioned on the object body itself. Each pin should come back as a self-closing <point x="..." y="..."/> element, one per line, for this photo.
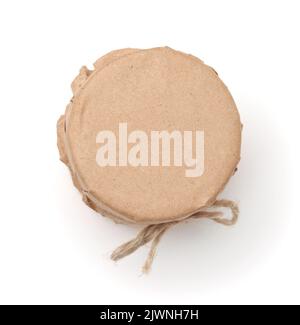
<point x="150" y="136"/>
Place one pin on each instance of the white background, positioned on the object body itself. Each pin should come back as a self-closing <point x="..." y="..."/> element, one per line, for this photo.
<point x="55" y="250"/>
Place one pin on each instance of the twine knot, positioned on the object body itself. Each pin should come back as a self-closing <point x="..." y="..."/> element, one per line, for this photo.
<point x="155" y="232"/>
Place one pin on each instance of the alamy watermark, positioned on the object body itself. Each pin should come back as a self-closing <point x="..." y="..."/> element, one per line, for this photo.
<point x="138" y="148"/>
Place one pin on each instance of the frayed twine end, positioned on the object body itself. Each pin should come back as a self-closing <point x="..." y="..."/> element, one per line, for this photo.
<point x="154" y="233"/>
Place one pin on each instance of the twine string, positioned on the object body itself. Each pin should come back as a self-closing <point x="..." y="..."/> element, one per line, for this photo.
<point x="154" y="233"/>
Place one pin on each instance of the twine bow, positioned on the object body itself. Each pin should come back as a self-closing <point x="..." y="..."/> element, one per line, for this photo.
<point x="155" y="232"/>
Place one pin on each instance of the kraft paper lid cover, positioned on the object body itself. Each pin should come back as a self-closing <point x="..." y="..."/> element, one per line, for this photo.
<point x="150" y="90"/>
